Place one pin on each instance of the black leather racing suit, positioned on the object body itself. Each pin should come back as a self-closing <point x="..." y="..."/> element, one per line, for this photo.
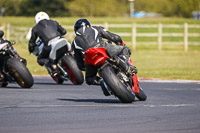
<point x="46" y="30"/>
<point x="88" y="37"/>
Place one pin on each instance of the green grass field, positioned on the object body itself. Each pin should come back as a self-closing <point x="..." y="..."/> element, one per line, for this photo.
<point x="170" y="63"/>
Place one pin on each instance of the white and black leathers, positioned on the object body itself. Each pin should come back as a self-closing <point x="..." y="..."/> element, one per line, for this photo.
<point x="46" y="30"/>
<point x="88" y="37"/>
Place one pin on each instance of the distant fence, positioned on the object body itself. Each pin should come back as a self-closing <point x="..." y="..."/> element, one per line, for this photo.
<point x="160" y="34"/>
<point x="19" y="33"/>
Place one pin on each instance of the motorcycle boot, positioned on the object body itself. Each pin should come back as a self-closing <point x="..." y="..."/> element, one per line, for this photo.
<point x="52" y="68"/>
<point x="105" y="89"/>
<point x="132" y="70"/>
<point x="95" y="80"/>
<point x="123" y="63"/>
<point x="42" y="61"/>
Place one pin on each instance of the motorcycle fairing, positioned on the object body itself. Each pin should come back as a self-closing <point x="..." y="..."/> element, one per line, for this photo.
<point x="95" y="56"/>
<point x="3" y="45"/>
<point x="135" y="86"/>
<point x="59" y="44"/>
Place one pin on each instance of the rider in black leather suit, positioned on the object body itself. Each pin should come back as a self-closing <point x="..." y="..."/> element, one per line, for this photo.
<point x="46" y="30"/>
<point x="88" y="36"/>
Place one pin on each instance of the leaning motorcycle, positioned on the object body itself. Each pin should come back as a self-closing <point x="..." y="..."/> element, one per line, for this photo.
<point x="117" y="81"/>
<point x="65" y="63"/>
<point x="13" y="68"/>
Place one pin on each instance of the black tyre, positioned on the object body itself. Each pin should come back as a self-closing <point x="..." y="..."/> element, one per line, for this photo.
<point x="141" y="96"/>
<point x="116" y="86"/>
<point x="57" y="79"/>
<point x="4" y="84"/>
<point x="75" y="74"/>
<point x="20" y="73"/>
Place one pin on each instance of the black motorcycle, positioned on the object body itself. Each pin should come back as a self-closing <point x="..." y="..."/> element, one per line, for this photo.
<point x="13" y="67"/>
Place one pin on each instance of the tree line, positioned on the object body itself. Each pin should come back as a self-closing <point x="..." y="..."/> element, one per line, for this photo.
<point x="93" y="8"/>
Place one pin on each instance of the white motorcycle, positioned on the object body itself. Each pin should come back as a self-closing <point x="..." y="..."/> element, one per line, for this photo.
<point x="65" y="63"/>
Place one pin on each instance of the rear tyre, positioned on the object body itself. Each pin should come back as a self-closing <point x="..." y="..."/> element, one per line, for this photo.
<point x="75" y="74"/>
<point x="20" y="73"/>
<point x="141" y="96"/>
<point x="57" y="79"/>
<point x="116" y="86"/>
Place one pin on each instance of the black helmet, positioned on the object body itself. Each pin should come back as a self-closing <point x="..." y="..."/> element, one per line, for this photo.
<point x="1" y="33"/>
<point x="80" y="23"/>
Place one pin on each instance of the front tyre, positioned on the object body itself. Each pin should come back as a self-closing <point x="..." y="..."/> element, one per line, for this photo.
<point x="4" y="84"/>
<point x="75" y="74"/>
<point x="58" y="79"/>
<point x="20" y="73"/>
<point x="116" y="86"/>
<point x="141" y="96"/>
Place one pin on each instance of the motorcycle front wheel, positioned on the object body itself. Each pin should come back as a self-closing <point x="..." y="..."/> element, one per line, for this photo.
<point x="141" y="96"/>
<point x="20" y="73"/>
<point x="116" y="86"/>
<point x="75" y="74"/>
<point x="57" y="79"/>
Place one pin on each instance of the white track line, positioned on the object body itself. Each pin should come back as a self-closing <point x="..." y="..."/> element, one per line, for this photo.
<point x="102" y="105"/>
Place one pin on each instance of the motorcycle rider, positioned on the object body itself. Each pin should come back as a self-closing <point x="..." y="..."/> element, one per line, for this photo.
<point x="88" y="36"/>
<point x="48" y="31"/>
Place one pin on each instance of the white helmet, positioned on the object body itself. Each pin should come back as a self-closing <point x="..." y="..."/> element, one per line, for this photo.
<point x="40" y="16"/>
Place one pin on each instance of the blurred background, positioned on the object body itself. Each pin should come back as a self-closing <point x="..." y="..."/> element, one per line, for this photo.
<point x="164" y="35"/>
<point x="101" y="8"/>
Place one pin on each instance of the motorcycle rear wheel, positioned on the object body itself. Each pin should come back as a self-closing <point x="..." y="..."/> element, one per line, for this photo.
<point x="116" y="86"/>
<point x="75" y="74"/>
<point x="20" y="73"/>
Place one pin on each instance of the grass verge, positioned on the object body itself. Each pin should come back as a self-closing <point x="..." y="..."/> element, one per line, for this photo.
<point x="170" y="63"/>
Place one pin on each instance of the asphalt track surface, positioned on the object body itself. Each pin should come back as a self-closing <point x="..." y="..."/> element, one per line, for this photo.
<point x="171" y="107"/>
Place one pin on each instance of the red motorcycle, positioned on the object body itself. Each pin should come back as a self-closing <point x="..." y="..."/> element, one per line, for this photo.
<point x="116" y="81"/>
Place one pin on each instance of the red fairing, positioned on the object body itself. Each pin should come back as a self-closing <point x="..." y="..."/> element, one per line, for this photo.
<point x="135" y="88"/>
<point x="123" y="43"/>
<point x="95" y="56"/>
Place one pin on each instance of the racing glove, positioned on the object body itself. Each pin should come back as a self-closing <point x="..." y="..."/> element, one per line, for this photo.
<point x="31" y="47"/>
